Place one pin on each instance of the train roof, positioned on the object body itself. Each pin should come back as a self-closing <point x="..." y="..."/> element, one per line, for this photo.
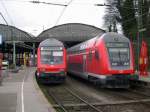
<point x="109" y="36"/>
<point x="112" y="36"/>
<point x="51" y="42"/>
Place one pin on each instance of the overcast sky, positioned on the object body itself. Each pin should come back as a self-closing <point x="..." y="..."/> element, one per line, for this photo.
<point x="34" y="18"/>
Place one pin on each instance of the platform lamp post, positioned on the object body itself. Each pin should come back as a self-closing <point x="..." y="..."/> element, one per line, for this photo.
<point x="14" y="54"/>
<point x="33" y="54"/>
<point x="14" y="47"/>
<point x="34" y="49"/>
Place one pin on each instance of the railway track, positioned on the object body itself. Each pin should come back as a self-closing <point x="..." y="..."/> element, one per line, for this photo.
<point x="70" y="97"/>
<point x="143" y="89"/>
<point x="68" y="100"/>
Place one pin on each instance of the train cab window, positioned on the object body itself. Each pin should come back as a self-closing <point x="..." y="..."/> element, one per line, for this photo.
<point x="51" y="57"/>
<point x="119" y="56"/>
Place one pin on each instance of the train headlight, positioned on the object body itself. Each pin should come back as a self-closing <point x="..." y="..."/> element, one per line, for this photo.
<point x="62" y="72"/>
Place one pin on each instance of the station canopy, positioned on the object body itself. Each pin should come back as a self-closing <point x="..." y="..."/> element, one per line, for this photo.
<point x="11" y="33"/>
<point x="71" y="32"/>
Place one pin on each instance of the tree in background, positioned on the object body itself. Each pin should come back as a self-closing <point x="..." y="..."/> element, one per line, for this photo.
<point x="125" y="16"/>
<point x="112" y="16"/>
<point x="128" y="19"/>
<point x="148" y="22"/>
<point x="127" y="13"/>
<point x="145" y="12"/>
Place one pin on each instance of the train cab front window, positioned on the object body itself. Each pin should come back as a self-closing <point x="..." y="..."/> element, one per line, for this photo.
<point x="51" y="57"/>
<point x="119" y="56"/>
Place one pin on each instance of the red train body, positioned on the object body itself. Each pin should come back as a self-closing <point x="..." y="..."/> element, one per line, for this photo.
<point x="51" y="61"/>
<point x="106" y="59"/>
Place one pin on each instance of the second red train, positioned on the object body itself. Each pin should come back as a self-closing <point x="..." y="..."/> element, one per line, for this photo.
<point x="106" y="59"/>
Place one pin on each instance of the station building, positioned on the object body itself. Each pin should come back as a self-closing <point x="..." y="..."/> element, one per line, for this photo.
<point x="19" y="46"/>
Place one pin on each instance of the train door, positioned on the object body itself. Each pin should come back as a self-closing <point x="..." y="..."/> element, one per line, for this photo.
<point x="84" y="64"/>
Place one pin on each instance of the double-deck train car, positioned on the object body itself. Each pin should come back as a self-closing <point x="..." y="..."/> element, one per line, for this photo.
<point x="106" y="59"/>
<point x="51" y="61"/>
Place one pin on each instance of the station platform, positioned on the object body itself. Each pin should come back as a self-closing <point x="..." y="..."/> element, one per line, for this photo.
<point x="19" y="92"/>
<point x="142" y="80"/>
<point x="145" y="78"/>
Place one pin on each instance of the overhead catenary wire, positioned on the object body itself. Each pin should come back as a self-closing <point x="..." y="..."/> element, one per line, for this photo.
<point x="12" y="23"/>
<point x="3" y="18"/>
<point x="15" y="1"/>
<point x="48" y="3"/>
<point x="62" y="12"/>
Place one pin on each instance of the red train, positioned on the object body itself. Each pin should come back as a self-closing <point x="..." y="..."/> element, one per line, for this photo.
<point x="51" y="61"/>
<point x="106" y="59"/>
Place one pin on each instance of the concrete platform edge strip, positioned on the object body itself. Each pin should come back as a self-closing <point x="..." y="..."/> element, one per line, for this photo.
<point x="50" y="107"/>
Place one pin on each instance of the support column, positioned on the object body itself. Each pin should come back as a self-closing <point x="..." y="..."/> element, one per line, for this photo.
<point x="14" y="54"/>
<point x="33" y="54"/>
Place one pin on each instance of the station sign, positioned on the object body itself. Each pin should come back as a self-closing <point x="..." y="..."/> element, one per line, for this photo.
<point x="1" y="39"/>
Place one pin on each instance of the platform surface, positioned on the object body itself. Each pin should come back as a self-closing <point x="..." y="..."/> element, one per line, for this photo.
<point x="19" y="92"/>
<point x="145" y="78"/>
